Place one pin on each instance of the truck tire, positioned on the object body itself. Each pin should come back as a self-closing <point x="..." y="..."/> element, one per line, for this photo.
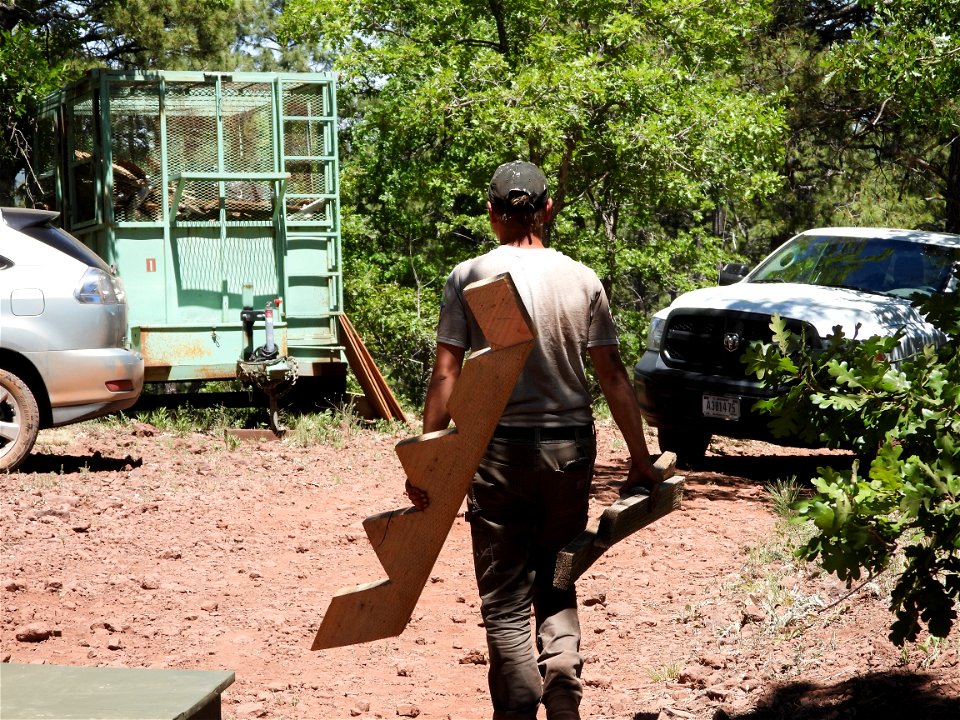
<point x="689" y="444"/>
<point x="19" y="421"/>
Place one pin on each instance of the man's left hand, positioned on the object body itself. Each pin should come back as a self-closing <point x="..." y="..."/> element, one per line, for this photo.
<point x="642" y="475"/>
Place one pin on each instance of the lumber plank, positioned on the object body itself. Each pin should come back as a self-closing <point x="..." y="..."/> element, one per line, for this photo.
<point x="620" y="519"/>
<point x="360" y="367"/>
<point x="375" y="380"/>
<point x="407" y="541"/>
<point x="499" y="312"/>
<point x="484" y="386"/>
<point x="374" y="385"/>
<point x="623" y="518"/>
<point x="578" y="555"/>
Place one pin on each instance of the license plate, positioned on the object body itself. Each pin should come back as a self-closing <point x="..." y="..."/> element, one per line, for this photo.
<point x="719" y="406"/>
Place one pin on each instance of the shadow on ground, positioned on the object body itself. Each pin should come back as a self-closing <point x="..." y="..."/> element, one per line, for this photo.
<point x="770" y="468"/>
<point x="69" y="464"/>
<point x="719" y="476"/>
<point x="877" y="696"/>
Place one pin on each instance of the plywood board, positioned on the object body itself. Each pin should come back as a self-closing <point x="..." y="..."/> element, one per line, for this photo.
<point x="407" y="541"/>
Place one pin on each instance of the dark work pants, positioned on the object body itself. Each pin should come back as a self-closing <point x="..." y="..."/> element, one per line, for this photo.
<point x="527" y="501"/>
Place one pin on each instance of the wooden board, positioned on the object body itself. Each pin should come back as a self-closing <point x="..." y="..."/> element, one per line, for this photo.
<point x="408" y="541"/>
<point x="623" y="518"/>
<point x="375" y="388"/>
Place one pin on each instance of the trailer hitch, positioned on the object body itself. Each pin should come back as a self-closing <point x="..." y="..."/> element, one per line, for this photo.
<point x="264" y="367"/>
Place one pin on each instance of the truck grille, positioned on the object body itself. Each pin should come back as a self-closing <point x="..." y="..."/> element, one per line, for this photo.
<point x="712" y="342"/>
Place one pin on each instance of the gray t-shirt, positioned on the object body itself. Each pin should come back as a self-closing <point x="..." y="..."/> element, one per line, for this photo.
<point x="569" y="310"/>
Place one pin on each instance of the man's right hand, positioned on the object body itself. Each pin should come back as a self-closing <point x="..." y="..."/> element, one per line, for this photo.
<point x="418" y="496"/>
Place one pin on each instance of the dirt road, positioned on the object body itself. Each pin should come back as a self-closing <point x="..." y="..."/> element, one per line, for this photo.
<point x="125" y="546"/>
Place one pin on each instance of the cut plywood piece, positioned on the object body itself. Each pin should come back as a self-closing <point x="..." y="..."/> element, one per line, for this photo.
<point x="67" y="692"/>
<point x="620" y="520"/>
<point x="499" y="312"/>
<point x="407" y="541"/>
<point x="484" y="386"/>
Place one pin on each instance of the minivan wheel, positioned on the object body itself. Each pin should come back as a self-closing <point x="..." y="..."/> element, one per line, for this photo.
<point x="689" y="444"/>
<point x="19" y="421"/>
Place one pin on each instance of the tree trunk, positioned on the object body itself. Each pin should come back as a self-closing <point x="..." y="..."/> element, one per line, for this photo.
<point x="8" y="182"/>
<point x="503" y="43"/>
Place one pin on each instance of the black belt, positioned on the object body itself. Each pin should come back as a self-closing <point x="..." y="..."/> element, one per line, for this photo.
<point x="537" y="434"/>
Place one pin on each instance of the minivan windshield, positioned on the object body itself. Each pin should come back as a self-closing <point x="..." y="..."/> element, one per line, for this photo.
<point x="876" y="265"/>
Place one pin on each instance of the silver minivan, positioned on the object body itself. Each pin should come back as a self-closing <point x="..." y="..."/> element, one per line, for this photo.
<point x="64" y="353"/>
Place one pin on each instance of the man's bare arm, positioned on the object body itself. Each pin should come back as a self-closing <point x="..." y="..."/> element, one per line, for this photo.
<point x="446" y="372"/>
<point x="625" y="409"/>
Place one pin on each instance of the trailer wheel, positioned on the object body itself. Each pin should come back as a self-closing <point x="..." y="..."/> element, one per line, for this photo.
<point x="19" y="421"/>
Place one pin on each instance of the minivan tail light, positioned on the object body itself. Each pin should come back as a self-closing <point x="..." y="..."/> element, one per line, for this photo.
<point x="100" y="288"/>
<point x="119" y="385"/>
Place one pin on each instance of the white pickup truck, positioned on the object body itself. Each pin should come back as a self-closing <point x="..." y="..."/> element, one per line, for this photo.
<point x="691" y="382"/>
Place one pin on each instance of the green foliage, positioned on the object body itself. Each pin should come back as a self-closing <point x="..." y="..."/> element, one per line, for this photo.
<point x="636" y="112"/>
<point x="399" y="326"/>
<point x="904" y="418"/>
<point x="904" y="67"/>
<point x="870" y="95"/>
<point x="184" y="419"/>
<point x="23" y="73"/>
<point x="331" y="427"/>
<point x="25" y="77"/>
<point x="908" y="55"/>
<point x="45" y="44"/>
<point x="783" y="496"/>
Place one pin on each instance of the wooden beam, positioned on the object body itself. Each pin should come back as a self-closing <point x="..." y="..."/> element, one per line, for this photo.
<point x="620" y="520"/>
<point x="375" y="387"/>
<point x="408" y="541"/>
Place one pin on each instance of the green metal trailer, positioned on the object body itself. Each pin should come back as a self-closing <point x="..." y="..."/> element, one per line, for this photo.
<point x="213" y="194"/>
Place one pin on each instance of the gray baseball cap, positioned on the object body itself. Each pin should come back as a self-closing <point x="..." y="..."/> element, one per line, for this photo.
<point x="518" y="186"/>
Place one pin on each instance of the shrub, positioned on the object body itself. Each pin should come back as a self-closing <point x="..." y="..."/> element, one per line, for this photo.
<point x="903" y="418"/>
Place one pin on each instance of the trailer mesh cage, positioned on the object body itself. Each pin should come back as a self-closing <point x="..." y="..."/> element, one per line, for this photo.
<point x="208" y="133"/>
<point x="199" y="186"/>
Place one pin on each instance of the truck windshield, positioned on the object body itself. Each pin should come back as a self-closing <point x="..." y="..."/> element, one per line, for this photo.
<point x="876" y="265"/>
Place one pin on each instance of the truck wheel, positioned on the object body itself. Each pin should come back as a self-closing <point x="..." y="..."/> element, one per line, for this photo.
<point x="19" y="421"/>
<point x="690" y="445"/>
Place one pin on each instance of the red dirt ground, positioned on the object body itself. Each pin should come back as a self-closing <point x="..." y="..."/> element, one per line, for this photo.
<point x="125" y="546"/>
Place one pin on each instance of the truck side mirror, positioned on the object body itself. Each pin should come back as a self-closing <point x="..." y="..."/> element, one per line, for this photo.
<point x="732" y="273"/>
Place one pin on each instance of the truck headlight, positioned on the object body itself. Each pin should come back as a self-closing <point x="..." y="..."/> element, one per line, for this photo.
<point x="655" y="336"/>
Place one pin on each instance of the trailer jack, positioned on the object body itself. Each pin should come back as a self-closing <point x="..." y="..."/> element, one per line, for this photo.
<point x="264" y="367"/>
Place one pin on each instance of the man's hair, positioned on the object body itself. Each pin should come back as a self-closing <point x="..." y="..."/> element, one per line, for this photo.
<point x="522" y="218"/>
